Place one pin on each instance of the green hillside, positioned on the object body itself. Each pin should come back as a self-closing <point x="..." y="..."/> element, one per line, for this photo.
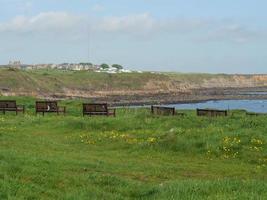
<point x="56" y="80"/>
<point x="86" y="84"/>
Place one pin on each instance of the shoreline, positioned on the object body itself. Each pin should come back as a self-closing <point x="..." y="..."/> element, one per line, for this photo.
<point x="183" y="102"/>
<point x="160" y="98"/>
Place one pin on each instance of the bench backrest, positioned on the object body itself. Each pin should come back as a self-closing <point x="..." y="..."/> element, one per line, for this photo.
<point x="8" y="104"/>
<point x="160" y="110"/>
<point x="46" y="106"/>
<point x="92" y="107"/>
<point x="211" y="112"/>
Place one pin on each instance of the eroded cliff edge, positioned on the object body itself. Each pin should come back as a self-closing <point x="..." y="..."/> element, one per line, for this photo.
<point x="130" y="88"/>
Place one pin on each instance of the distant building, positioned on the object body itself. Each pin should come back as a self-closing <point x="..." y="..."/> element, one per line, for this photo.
<point x="67" y="66"/>
<point x="14" y="64"/>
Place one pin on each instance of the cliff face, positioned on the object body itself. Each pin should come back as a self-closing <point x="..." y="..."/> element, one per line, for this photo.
<point x="187" y="84"/>
<point x="62" y="84"/>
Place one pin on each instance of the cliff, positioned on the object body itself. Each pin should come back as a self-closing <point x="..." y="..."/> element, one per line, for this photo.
<point x="83" y="84"/>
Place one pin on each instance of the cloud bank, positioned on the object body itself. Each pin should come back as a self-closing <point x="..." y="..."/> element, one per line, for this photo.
<point x="135" y="25"/>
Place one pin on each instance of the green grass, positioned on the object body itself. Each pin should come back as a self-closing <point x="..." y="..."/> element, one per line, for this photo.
<point x="132" y="156"/>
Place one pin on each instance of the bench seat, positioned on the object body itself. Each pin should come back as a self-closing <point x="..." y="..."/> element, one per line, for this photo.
<point x="49" y="107"/>
<point x="161" y="110"/>
<point x="211" y="112"/>
<point x="98" y="109"/>
<point x="255" y="114"/>
<point x="11" y="106"/>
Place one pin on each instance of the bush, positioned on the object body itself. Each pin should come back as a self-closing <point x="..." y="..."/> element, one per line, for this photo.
<point x="104" y="66"/>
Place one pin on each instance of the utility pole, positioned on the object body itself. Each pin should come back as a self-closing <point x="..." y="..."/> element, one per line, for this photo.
<point x="89" y="42"/>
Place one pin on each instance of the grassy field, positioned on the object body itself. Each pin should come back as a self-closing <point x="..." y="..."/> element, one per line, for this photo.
<point x="133" y="156"/>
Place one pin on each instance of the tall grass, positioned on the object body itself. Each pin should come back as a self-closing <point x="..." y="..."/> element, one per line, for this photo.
<point x="133" y="156"/>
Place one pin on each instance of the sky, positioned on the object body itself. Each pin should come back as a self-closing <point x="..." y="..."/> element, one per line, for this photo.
<point x="208" y="36"/>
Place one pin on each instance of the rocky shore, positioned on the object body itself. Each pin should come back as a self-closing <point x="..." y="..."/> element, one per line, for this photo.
<point x="197" y="95"/>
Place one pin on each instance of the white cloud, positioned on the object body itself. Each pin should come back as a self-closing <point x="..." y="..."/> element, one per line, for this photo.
<point x="74" y="26"/>
<point x="233" y="33"/>
<point x="50" y="21"/>
<point x="131" y="24"/>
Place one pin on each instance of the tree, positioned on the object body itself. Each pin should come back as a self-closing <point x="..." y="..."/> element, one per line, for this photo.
<point x="119" y="67"/>
<point x="104" y="66"/>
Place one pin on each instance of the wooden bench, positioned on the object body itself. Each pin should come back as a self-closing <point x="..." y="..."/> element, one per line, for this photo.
<point x="11" y="106"/>
<point x="48" y="107"/>
<point x="161" y="110"/>
<point x="211" y="112"/>
<point x="98" y="109"/>
<point x="255" y="114"/>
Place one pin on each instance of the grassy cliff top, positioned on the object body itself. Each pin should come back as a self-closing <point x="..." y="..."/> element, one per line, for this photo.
<point x="58" y="81"/>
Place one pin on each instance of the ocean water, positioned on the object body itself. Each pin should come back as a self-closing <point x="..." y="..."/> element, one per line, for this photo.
<point x="259" y="106"/>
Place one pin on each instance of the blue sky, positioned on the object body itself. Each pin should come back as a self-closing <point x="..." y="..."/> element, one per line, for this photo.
<point x="165" y="35"/>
